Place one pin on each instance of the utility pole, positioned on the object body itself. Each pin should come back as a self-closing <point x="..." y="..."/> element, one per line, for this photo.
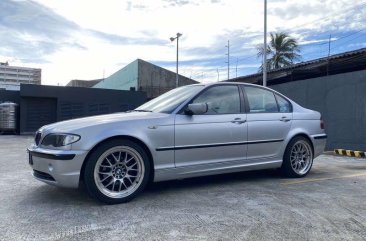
<point x="218" y="75"/>
<point x="236" y="68"/>
<point x="330" y="39"/>
<point x="265" y="46"/>
<point x="228" y="59"/>
<point x="177" y="75"/>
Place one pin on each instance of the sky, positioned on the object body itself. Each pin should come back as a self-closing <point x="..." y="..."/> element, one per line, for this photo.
<point x="91" y="39"/>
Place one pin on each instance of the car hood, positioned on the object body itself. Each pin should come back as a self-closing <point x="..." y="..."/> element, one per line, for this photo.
<point x="75" y="124"/>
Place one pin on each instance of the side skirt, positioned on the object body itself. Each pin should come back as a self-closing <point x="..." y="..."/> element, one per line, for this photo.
<point x="212" y="169"/>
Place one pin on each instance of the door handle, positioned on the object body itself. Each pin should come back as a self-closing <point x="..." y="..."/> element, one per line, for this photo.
<point x="238" y="121"/>
<point x="284" y="119"/>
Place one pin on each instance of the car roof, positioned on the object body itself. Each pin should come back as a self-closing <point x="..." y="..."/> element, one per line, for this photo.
<point x="224" y="83"/>
<point x="231" y="83"/>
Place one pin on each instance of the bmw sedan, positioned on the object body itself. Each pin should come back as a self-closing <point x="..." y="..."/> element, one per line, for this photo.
<point x="190" y="131"/>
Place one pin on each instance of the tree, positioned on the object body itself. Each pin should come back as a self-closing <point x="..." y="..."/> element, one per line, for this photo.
<point x="282" y="51"/>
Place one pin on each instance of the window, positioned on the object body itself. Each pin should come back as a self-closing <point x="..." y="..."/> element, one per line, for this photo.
<point x="170" y="100"/>
<point x="283" y="104"/>
<point x="223" y="99"/>
<point x="261" y="100"/>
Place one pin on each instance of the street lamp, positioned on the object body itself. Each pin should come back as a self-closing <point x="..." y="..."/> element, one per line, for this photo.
<point x="172" y="39"/>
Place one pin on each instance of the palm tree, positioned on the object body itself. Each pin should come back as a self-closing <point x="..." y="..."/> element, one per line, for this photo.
<point x="282" y="51"/>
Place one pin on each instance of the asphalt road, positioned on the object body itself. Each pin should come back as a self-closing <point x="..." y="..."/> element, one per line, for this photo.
<point x="329" y="204"/>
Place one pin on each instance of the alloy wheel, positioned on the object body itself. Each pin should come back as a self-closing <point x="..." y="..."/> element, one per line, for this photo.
<point x="119" y="171"/>
<point x="301" y="157"/>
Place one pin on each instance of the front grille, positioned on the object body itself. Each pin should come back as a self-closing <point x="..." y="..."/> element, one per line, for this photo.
<point x="37" y="138"/>
<point x="43" y="175"/>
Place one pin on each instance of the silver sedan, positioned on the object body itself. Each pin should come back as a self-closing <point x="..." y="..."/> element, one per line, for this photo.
<point x="190" y="131"/>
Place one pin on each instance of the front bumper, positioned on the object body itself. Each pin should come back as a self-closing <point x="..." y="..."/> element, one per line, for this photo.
<point x="56" y="167"/>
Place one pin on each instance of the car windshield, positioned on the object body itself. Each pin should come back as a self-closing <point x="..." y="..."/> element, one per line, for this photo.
<point x="169" y="101"/>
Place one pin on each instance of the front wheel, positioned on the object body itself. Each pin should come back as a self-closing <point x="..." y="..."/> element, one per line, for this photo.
<point x="117" y="171"/>
<point x="298" y="158"/>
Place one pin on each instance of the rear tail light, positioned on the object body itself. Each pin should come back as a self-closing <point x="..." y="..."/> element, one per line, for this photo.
<point x="322" y="125"/>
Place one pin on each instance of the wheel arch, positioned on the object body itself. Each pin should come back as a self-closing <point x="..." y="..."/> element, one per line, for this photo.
<point x="121" y="137"/>
<point x="304" y="135"/>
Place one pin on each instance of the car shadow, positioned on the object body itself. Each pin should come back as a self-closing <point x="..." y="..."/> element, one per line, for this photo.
<point x="50" y="195"/>
<point x="214" y="180"/>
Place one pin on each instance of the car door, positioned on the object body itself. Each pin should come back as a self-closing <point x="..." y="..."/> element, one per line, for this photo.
<point x="269" y="121"/>
<point x="214" y="137"/>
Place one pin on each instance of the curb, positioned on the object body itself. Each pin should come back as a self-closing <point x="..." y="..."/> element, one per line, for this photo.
<point x="344" y="152"/>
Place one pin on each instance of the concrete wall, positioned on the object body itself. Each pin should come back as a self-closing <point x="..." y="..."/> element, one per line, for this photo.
<point x="123" y="79"/>
<point x="341" y="99"/>
<point x="143" y="76"/>
<point x="155" y="80"/>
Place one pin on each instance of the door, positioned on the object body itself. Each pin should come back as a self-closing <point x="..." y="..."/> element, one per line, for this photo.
<point x="216" y="136"/>
<point x="269" y="121"/>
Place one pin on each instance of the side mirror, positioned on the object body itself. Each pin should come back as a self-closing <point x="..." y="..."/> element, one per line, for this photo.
<point x="196" y="109"/>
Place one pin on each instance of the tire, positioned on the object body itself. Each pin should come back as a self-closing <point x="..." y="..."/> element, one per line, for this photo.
<point x="298" y="158"/>
<point x="117" y="171"/>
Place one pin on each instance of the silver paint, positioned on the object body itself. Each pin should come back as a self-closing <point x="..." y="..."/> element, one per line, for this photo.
<point x="160" y="130"/>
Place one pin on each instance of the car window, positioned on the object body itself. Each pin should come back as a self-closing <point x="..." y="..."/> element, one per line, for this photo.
<point x="223" y="99"/>
<point x="169" y="101"/>
<point x="283" y="104"/>
<point x="260" y="100"/>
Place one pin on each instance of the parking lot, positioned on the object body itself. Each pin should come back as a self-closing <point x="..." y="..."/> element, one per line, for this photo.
<point x="329" y="204"/>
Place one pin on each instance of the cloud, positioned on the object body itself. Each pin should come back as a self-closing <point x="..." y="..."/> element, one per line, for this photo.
<point x="296" y="9"/>
<point x="59" y="35"/>
<point x="31" y="31"/>
<point x="118" y="39"/>
<point x="175" y="3"/>
<point x="131" y="6"/>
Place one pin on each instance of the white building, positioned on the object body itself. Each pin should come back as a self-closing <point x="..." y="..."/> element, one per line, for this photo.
<point x="12" y="76"/>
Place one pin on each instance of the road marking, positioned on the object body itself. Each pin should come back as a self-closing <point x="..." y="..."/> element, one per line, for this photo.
<point x="322" y="179"/>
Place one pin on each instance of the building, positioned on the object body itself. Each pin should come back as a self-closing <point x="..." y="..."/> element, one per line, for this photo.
<point x="41" y="105"/>
<point x="144" y="76"/>
<point x="83" y="83"/>
<point x="335" y="64"/>
<point x="335" y="87"/>
<point x="12" y="76"/>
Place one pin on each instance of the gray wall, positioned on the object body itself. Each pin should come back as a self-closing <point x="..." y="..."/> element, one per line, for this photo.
<point x="341" y="99"/>
<point x="155" y="80"/>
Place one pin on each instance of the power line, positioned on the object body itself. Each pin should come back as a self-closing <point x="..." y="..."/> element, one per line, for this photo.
<point x="334" y="42"/>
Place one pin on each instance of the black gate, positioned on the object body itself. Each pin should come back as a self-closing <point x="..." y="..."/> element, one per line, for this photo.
<point x="39" y="112"/>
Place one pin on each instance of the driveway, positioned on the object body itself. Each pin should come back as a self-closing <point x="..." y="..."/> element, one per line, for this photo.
<point x="329" y="204"/>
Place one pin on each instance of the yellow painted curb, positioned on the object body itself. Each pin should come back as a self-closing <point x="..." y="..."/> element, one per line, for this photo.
<point x="351" y="153"/>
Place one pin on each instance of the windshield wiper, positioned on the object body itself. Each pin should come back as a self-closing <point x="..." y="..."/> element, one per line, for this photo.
<point x="143" y="110"/>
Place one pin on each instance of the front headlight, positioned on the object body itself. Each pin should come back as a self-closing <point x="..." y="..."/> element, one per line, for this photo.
<point x="59" y="140"/>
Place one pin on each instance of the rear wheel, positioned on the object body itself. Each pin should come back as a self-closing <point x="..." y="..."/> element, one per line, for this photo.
<point x="298" y="158"/>
<point x="117" y="171"/>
